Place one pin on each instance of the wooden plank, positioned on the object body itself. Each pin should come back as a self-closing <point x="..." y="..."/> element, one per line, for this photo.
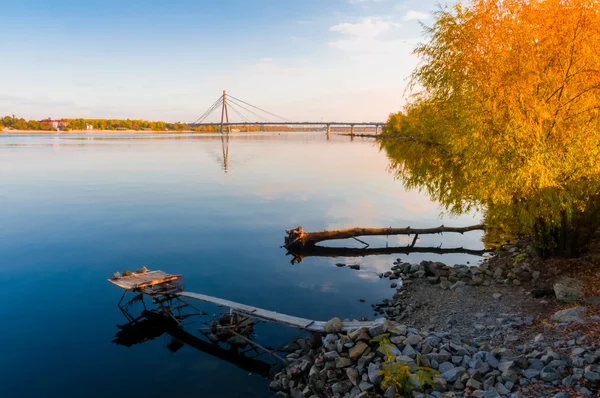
<point x="289" y="320"/>
<point x="150" y="278"/>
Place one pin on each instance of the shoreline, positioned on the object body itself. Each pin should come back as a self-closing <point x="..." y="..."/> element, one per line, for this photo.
<point x="515" y="326"/>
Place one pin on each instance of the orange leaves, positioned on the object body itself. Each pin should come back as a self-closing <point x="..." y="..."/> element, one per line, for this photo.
<point x="509" y="110"/>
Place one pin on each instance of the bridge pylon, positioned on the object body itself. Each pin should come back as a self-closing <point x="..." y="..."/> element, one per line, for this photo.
<point x="225" y="113"/>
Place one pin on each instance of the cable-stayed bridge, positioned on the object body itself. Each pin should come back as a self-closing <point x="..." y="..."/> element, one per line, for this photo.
<point x="246" y="114"/>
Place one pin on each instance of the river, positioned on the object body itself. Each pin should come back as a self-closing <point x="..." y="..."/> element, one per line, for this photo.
<point x="75" y="209"/>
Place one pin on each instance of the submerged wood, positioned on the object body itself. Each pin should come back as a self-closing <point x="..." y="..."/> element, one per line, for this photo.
<point x="297" y="238"/>
<point x="322" y="251"/>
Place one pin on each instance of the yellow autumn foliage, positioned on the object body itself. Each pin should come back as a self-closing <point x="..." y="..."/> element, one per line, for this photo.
<point x="505" y="114"/>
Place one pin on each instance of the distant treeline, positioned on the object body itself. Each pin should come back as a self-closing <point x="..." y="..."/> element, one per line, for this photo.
<point x="128" y="124"/>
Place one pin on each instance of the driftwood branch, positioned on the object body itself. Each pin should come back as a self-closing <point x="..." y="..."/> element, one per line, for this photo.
<point x="322" y="251"/>
<point x="297" y="238"/>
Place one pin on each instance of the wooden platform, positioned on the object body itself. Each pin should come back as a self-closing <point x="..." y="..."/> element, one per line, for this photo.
<point x="266" y="315"/>
<point x="147" y="279"/>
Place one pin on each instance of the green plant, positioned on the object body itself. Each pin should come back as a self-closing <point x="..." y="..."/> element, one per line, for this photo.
<point x="399" y="375"/>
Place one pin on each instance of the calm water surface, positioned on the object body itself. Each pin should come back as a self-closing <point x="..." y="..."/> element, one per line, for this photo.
<point x="74" y="209"/>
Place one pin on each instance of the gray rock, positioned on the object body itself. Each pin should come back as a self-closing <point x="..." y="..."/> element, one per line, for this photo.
<point x="549" y="374"/>
<point x="445" y="366"/>
<point x="497" y="296"/>
<point x="591" y="376"/>
<point x="501" y="389"/>
<point x="440" y="384"/>
<point x="531" y="373"/>
<point x="577" y="351"/>
<point x="352" y="375"/>
<point x="275" y="385"/>
<point x="331" y="355"/>
<point x="491" y="393"/>
<point x="569" y="315"/>
<point x="568" y="290"/>
<point x="590" y="358"/>
<point x="341" y="387"/>
<point x="453" y="374"/>
<point x="390" y="392"/>
<point x="413" y="339"/>
<point x="364" y="386"/>
<point x="503" y="366"/>
<point x="373" y="372"/>
<point x="474" y="384"/>
<point x="296" y="393"/>
<point x="333" y="325"/>
<point x="409" y="351"/>
<point x="567" y="381"/>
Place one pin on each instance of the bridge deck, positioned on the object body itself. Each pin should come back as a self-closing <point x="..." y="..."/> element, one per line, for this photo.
<point x="367" y="124"/>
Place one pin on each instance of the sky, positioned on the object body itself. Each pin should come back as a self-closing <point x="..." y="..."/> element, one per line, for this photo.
<point x="306" y="60"/>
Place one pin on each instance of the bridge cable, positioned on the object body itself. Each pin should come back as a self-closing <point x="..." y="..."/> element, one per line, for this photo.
<point x="260" y="109"/>
<point x="238" y="113"/>
<point x="252" y="112"/>
<point x="210" y="109"/>
<point x="207" y="113"/>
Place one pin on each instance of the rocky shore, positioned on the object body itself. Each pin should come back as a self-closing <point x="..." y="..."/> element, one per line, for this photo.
<point x="510" y="327"/>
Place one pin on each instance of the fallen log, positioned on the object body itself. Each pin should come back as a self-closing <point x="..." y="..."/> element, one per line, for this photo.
<point x="297" y="239"/>
<point x="322" y="251"/>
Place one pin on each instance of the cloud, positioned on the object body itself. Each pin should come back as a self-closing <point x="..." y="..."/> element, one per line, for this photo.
<point x="368" y="35"/>
<point x="416" y="15"/>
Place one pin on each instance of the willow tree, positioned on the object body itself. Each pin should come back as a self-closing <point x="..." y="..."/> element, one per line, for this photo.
<point x="505" y="116"/>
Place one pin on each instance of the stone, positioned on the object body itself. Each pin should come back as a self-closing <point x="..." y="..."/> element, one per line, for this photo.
<point x="440" y="384"/>
<point x="413" y="339"/>
<point x="377" y="329"/>
<point x="577" y="351"/>
<point x="591" y="376"/>
<point x="352" y="375"/>
<point x="394" y="285"/>
<point x="531" y="373"/>
<point x="357" y="351"/>
<point x="569" y="315"/>
<point x="453" y="374"/>
<point x="296" y="393"/>
<point x="409" y="351"/>
<point x="568" y="290"/>
<point x="549" y="374"/>
<point x="341" y="387"/>
<point x="474" y="384"/>
<point x="365" y="386"/>
<point x="497" y="296"/>
<point x="331" y="355"/>
<point x="275" y="385"/>
<point x="355" y="267"/>
<point x="445" y="366"/>
<point x="333" y="325"/>
<point x="491" y="393"/>
<point x="502" y="389"/>
<point x="567" y="381"/>
<point x="341" y="362"/>
<point x="373" y="372"/>
<point x="390" y="392"/>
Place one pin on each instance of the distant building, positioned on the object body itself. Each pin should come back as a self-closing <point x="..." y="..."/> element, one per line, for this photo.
<point x="88" y="126"/>
<point x="57" y="124"/>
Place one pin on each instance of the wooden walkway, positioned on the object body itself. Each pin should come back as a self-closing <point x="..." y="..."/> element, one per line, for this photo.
<point x="271" y="316"/>
<point x="158" y="282"/>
